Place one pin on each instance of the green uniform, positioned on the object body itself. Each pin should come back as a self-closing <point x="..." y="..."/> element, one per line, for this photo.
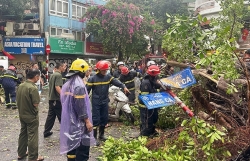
<point x="55" y="80"/>
<point x="27" y="95"/>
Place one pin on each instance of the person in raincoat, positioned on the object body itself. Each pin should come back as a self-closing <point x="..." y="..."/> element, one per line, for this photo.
<point x="76" y="135"/>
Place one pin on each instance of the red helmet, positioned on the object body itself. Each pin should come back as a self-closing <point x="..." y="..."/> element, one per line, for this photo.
<point x="153" y="70"/>
<point x="102" y="65"/>
<point x="12" y="67"/>
<point x="124" y="70"/>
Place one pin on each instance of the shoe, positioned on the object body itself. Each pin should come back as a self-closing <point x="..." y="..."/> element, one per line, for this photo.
<point x="14" y="107"/>
<point x="40" y="158"/>
<point x="8" y="106"/>
<point x="21" y="158"/>
<point x="95" y="136"/>
<point x="48" y="134"/>
<point x="101" y="133"/>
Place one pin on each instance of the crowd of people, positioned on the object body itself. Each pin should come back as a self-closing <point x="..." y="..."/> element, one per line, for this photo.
<point x="83" y="119"/>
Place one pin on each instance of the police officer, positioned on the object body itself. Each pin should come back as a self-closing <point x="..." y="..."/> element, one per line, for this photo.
<point x="76" y="115"/>
<point x="99" y="84"/>
<point x="149" y="117"/>
<point x="117" y="73"/>
<point x="9" y="81"/>
<point x="28" y="100"/>
<point x="128" y="78"/>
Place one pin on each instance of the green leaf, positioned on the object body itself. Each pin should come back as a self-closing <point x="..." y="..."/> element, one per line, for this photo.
<point x="184" y="122"/>
<point x="168" y="20"/>
<point x="168" y="15"/>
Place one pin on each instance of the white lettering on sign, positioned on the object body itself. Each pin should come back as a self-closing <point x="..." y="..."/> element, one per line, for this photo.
<point x="155" y="102"/>
<point x="168" y="100"/>
<point x="37" y="45"/>
<point x="24" y="44"/>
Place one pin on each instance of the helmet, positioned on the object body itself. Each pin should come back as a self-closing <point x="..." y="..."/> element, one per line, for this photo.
<point x="124" y="70"/>
<point x="120" y="63"/>
<point x="12" y="68"/>
<point x="79" y="65"/>
<point x="151" y="62"/>
<point x="153" y="70"/>
<point x="102" y="65"/>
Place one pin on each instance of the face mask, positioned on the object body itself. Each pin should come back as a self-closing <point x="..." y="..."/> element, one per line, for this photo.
<point x="82" y="75"/>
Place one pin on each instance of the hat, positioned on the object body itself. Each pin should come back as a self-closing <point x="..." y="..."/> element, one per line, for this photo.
<point x="247" y="51"/>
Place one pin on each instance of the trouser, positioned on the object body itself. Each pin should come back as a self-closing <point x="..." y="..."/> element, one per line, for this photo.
<point x="148" y="119"/>
<point x="55" y="110"/>
<point x="131" y="96"/>
<point x="79" y="154"/>
<point x="10" y="96"/>
<point x="28" y="137"/>
<point x="99" y="114"/>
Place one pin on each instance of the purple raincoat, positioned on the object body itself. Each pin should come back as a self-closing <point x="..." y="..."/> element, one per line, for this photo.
<point x="75" y="108"/>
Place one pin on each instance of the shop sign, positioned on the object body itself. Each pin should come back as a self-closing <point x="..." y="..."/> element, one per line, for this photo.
<point x="95" y="48"/>
<point x="24" y="45"/>
<point x="64" y="46"/>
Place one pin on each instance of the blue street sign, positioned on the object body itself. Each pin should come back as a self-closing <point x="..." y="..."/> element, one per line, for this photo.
<point x="182" y="79"/>
<point x="24" y="45"/>
<point x="156" y="100"/>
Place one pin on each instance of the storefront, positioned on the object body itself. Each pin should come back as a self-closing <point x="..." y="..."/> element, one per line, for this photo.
<point x="65" y="51"/>
<point x="95" y="50"/>
<point x="25" y="51"/>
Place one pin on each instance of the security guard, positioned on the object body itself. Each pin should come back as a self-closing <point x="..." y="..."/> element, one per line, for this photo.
<point x="9" y="81"/>
<point x="76" y="120"/>
<point x="128" y="78"/>
<point x="117" y="73"/>
<point x="99" y="84"/>
<point x="149" y="117"/>
<point x="28" y="100"/>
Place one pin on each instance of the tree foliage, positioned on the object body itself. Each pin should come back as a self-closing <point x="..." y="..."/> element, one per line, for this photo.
<point x="14" y="7"/>
<point x="120" y="27"/>
<point x="188" y="40"/>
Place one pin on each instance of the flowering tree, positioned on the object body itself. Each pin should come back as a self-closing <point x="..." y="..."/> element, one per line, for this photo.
<point x="121" y="27"/>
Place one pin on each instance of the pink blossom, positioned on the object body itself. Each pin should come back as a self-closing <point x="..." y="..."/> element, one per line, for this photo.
<point x="131" y="23"/>
<point x="154" y="30"/>
<point x="152" y="22"/>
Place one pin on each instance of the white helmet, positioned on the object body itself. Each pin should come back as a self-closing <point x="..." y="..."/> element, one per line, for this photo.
<point x="151" y="62"/>
<point x="120" y="63"/>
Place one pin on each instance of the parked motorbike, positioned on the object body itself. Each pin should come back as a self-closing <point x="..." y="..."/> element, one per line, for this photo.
<point x="122" y="105"/>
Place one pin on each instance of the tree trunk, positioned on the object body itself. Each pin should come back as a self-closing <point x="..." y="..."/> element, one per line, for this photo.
<point x="120" y="56"/>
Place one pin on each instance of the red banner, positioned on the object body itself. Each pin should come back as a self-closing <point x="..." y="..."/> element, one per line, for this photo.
<point x="95" y="48"/>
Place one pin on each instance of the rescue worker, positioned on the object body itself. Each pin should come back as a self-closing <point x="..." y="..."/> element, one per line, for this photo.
<point x="117" y="73"/>
<point x="9" y="82"/>
<point x="99" y="84"/>
<point x="149" y="117"/>
<point x="2" y="70"/>
<point x="76" y="135"/>
<point x="28" y="100"/>
<point x="128" y="78"/>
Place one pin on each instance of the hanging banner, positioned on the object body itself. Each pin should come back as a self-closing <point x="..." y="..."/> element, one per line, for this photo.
<point x="182" y="79"/>
<point x="156" y="100"/>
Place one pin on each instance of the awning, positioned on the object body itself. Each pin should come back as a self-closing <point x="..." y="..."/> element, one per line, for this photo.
<point x="8" y="55"/>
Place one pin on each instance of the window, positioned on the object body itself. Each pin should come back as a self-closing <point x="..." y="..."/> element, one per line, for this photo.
<point x="78" y="35"/>
<point x="59" y="7"/>
<point x="58" y="31"/>
<point x="78" y="10"/>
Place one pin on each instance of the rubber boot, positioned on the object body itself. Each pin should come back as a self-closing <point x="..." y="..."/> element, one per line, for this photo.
<point x="95" y="136"/>
<point x="101" y="133"/>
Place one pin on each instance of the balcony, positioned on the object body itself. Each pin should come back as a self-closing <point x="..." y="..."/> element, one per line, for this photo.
<point x="208" y="8"/>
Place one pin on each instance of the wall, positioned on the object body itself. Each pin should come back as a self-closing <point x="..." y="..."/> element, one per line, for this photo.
<point x="65" y="22"/>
